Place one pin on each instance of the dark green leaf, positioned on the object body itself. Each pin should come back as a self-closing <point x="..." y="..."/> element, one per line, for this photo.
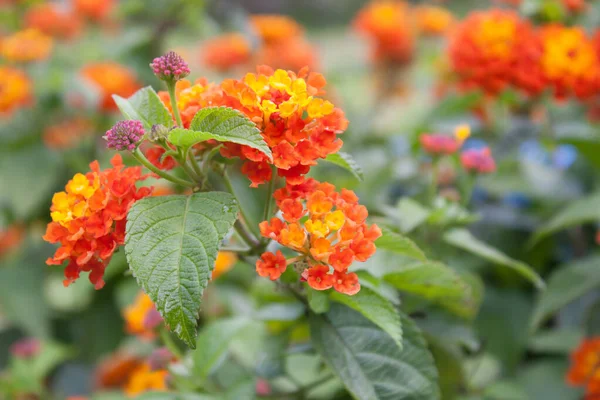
<point x="399" y="244"/>
<point x="222" y="124"/>
<point x="171" y="246"/>
<point x="376" y="308"/>
<point x="568" y="283"/>
<point x="346" y="161"/>
<point x="368" y="360"/>
<point x="146" y="107"/>
<point x="463" y="239"/>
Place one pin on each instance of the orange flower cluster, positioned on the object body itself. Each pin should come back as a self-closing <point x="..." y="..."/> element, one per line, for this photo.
<point x="68" y="133"/>
<point x="388" y="25"/>
<point x="25" y="46"/>
<point x="224" y="262"/>
<point x="96" y="10"/>
<point x="282" y="45"/>
<point x="111" y="78"/>
<point x="141" y="317"/>
<point x="585" y="371"/>
<point x="432" y="20"/>
<point x="89" y="217"/>
<point x="327" y="228"/>
<point x="15" y="89"/>
<point x="298" y="125"/>
<point x="145" y="379"/>
<point x="10" y="238"/>
<point x="54" y="20"/>
<point x="495" y="50"/>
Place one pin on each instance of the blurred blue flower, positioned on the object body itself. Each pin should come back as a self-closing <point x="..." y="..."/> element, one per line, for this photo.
<point x="564" y="156"/>
<point x="475" y="144"/>
<point x="517" y="200"/>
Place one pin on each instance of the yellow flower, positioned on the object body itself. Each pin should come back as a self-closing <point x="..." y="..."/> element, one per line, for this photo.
<point x="319" y="108"/>
<point x="317" y="228"/>
<point x="335" y="220"/>
<point x="462" y="132"/>
<point x="224" y="262"/>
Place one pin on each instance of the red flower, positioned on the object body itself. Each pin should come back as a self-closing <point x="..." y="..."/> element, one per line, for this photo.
<point x="478" y="160"/>
<point x="88" y="219"/>
<point x="271" y="265"/>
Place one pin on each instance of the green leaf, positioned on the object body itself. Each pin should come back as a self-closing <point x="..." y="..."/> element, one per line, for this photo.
<point x="562" y="341"/>
<point x="567" y="284"/>
<point x="171" y="246"/>
<point x="346" y="161"/>
<point x="399" y="244"/>
<point x="171" y="396"/>
<point x="437" y="283"/>
<point x="368" y="360"/>
<point x="463" y="239"/>
<point x="222" y="124"/>
<point x="376" y="308"/>
<point x="411" y="214"/>
<point x="213" y="342"/>
<point x="318" y="300"/>
<point x="580" y="211"/>
<point x="146" y="107"/>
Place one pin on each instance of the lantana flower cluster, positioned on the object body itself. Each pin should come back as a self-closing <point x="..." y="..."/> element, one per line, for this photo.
<point x="281" y="44"/>
<point x="497" y="49"/>
<point x="298" y="125"/>
<point x="89" y="217"/>
<point x="326" y="228"/>
<point x="585" y="371"/>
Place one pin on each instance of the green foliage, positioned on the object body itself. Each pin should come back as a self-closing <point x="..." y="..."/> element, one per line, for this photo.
<point x="171" y="246"/>
<point x="145" y="106"/>
<point x="369" y="362"/>
<point x="463" y="239"/>
<point x="223" y="125"/>
<point x="348" y="163"/>
<point x="399" y="244"/>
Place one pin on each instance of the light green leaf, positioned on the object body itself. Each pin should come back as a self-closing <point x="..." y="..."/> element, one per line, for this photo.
<point x="561" y="341"/>
<point x="368" y="360"/>
<point x="376" y="308"/>
<point x="399" y="244"/>
<point x="346" y="161"/>
<point x="213" y="343"/>
<point x="146" y="107"/>
<point x="411" y="214"/>
<point x="463" y="239"/>
<point x="437" y="283"/>
<point x="318" y="301"/>
<point x="586" y="209"/>
<point x="171" y="246"/>
<point x="567" y="284"/>
<point x="222" y="124"/>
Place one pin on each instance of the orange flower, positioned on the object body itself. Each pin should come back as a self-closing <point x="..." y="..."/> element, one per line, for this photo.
<point x="490" y="50"/>
<point x="68" y="133"/>
<point x="290" y="54"/>
<point x="585" y="363"/>
<point x="10" y="238"/>
<point x="298" y="125"/>
<point x="275" y="28"/>
<point x="88" y="219"/>
<point x="226" y="52"/>
<point x="26" y="45"/>
<point x="51" y="19"/>
<point x="225" y="261"/>
<point x="387" y="24"/>
<point x="114" y="371"/>
<point x="432" y="20"/>
<point x="569" y="61"/>
<point x="141" y="317"/>
<point x="96" y="10"/>
<point x="144" y="379"/>
<point x="334" y="235"/>
<point x="111" y="78"/>
<point x="15" y="89"/>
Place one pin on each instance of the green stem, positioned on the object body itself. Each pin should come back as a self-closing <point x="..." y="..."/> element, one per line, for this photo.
<point x="167" y="340"/>
<point x="194" y="163"/>
<point x="171" y="89"/>
<point x="434" y="178"/>
<point x="138" y="155"/>
<point x="468" y="190"/>
<point x="269" y="204"/>
<point x="245" y="218"/>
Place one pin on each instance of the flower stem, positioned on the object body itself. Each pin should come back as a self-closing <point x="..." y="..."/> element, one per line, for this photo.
<point x="269" y="203"/>
<point x="167" y="340"/>
<point x="138" y="155"/>
<point x="171" y="89"/>
<point x="245" y="218"/>
<point x="434" y="178"/>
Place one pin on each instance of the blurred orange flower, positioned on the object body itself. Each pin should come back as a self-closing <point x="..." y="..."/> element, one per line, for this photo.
<point x="53" y="20"/>
<point x="15" y="89"/>
<point x="111" y="78"/>
<point x="388" y="25"/>
<point x="585" y="363"/>
<point x="293" y="54"/>
<point x="141" y="317"/>
<point x="115" y="370"/>
<point x="144" y="379"/>
<point x="96" y="10"/>
<point x="227" y="51"/>
<point x="432" y="20"/>
<point x="225" y="261"/>
<point x="10" y="238"/>
<point x="26" y="45"/>
<point x="68" y="133"/>
<point x="275" y="28"/>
